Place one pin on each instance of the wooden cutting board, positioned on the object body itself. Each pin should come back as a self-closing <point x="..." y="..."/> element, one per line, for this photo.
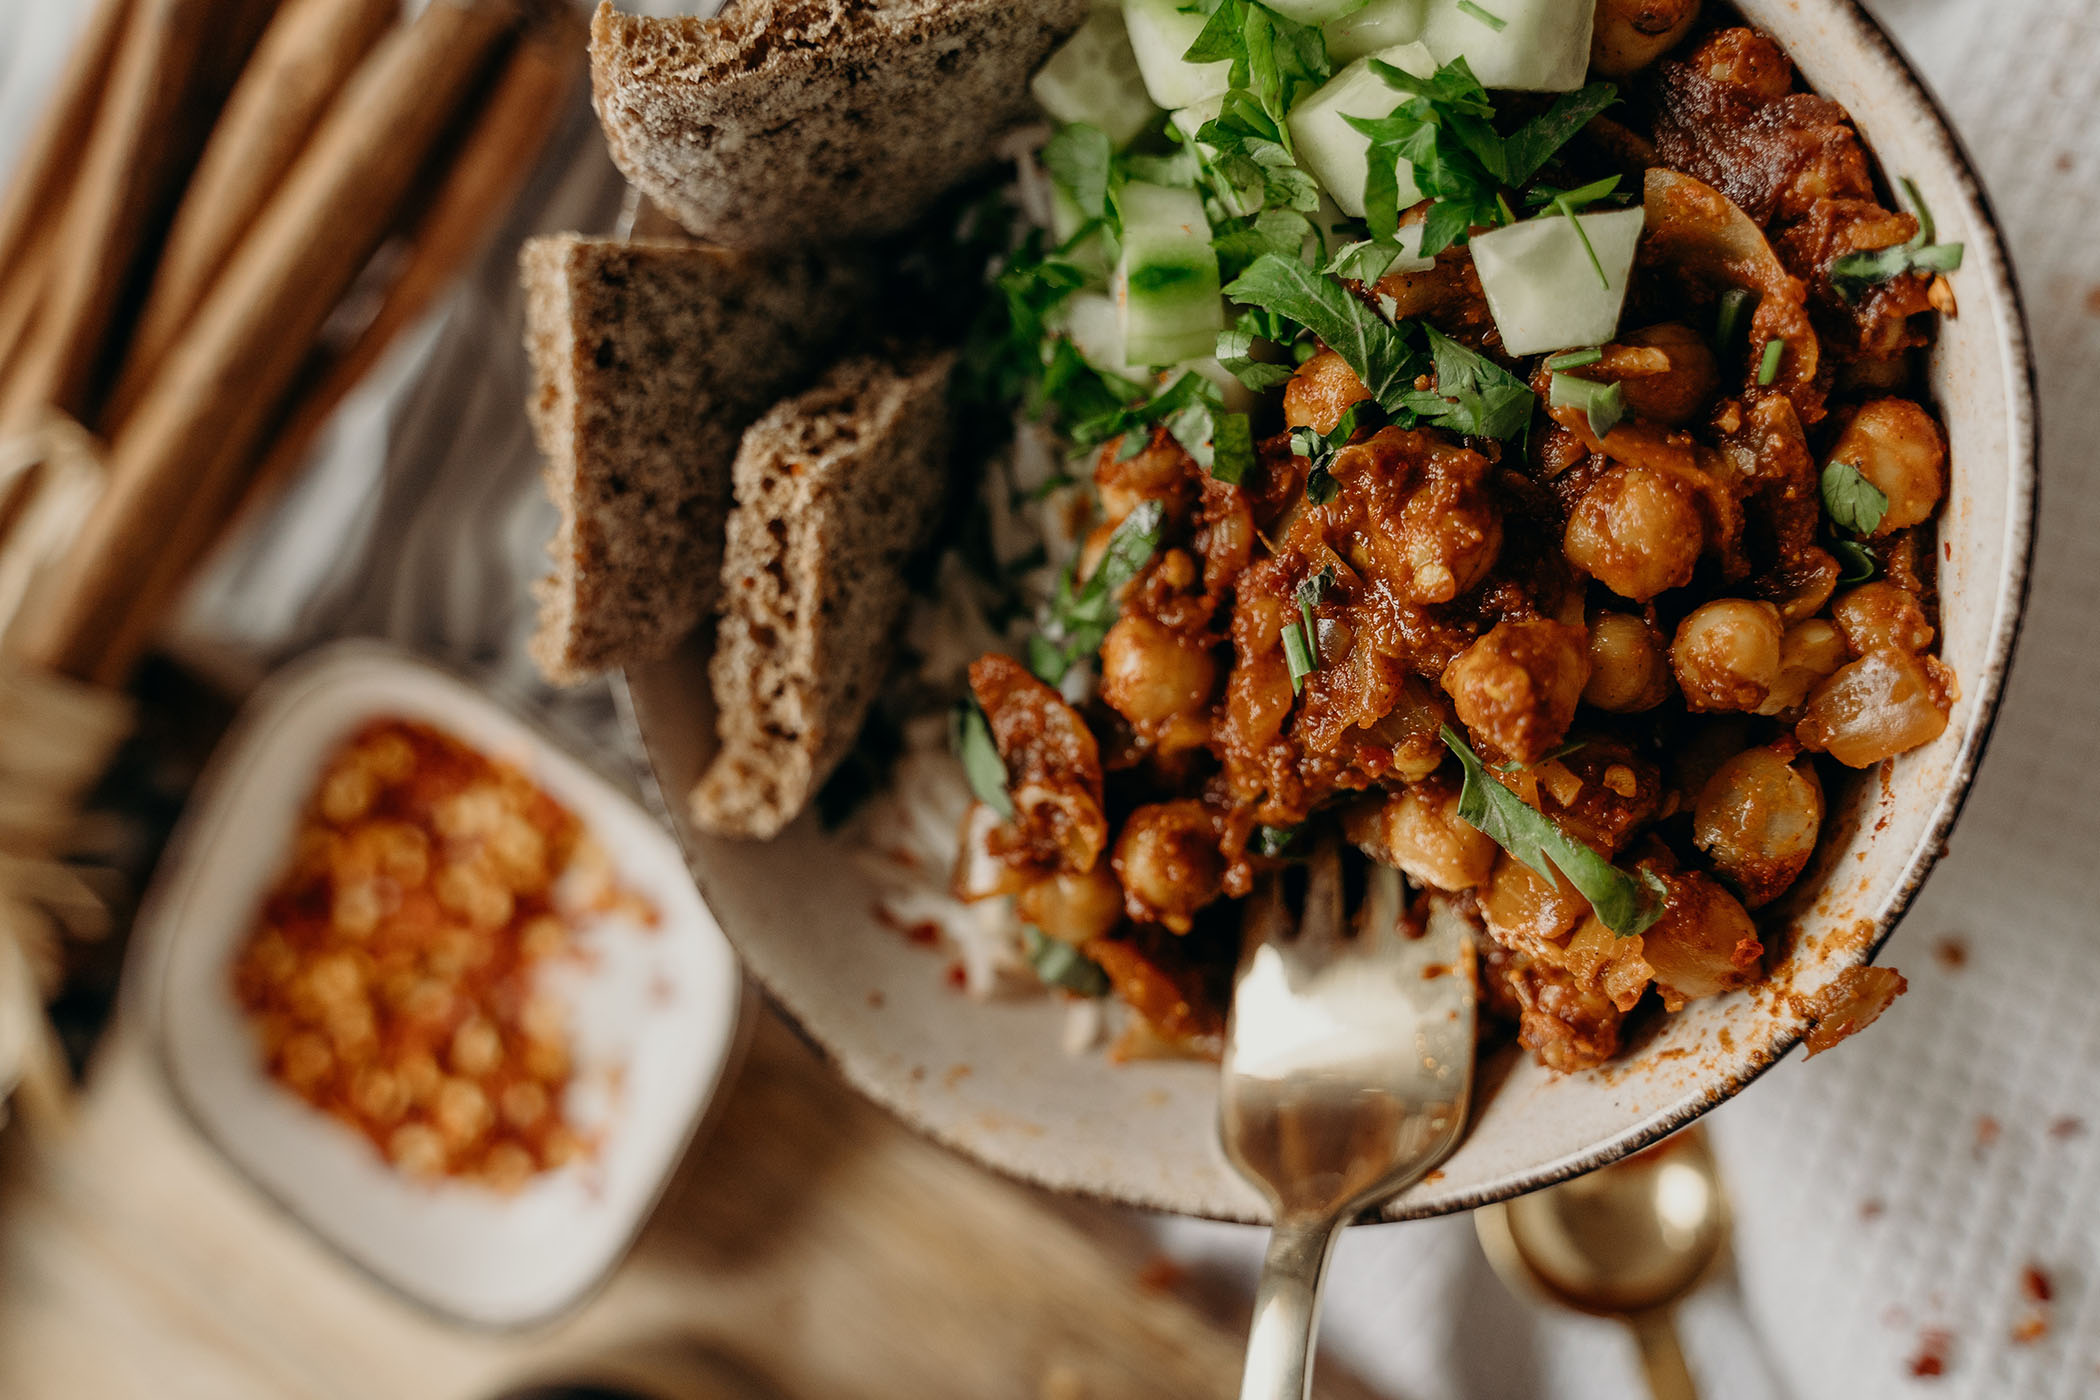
<point x="808" y="1236"/>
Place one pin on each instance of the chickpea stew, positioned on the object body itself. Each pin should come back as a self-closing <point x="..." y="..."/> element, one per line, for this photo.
<point x="392" y="977"/>
<point x="1503" y="443"/>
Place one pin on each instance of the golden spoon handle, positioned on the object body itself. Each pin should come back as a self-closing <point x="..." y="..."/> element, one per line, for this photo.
<point x="1661" y="1357"/>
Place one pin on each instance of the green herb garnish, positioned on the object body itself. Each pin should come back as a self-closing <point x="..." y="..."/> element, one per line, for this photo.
<point x="1494" y="22"/>
<point x="1626" y="903"/>
<point x="1232" y="448"/>
<point x="1603" y="404"/>
<point x="1731" y="313"/>
<point x="1768" y="366"/>
<point x="1080" y="617"/>
<point x="1852" y="274"/>
<point x="1567" y="202"/>
<point x="1575" y="359"/>
<point x="1857" y="561"/>
<point x="1274" y="841"/>
<point x="1473" y="394"/>
<point x="1371" y="345"/>
<point x="970" y="735"/>
<point x="1853" y="502"/>
<point x="1063" y="966"/>
<point x="1081" y="160"/>
<point x="1301" y="639"/>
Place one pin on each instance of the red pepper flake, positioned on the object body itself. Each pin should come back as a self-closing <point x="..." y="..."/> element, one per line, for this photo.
<point x="1934" y="1344"/>
<point x="1987" y="1131"/>
<point x="1871" y="1209"/>
<point x="2092" y="301"/>
<point x="2036" y="1284"/>
<point x="957" y="977"/>
<point x="2066" y="1127"/>
<point x="1951" y="953"/>
<point x="1159" y="1274"/>
<point x="2031" y="1329"/>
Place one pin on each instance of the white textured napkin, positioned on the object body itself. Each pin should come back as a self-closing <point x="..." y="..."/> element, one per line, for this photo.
<point x="1898" y="1187"/>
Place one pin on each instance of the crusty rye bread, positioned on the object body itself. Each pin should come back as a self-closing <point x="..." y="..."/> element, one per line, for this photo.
<point x="649" y="359"/>
<point x="784" y="121"/>
<point x="834" y="489"/>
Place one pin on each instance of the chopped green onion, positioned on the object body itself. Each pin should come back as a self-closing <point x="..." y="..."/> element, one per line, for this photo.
<point x="1561" y="203"/>
<point x="1603" y="404"/>
<point x="1298" y="655"/>
<point x="1494" y="22"/>
<point x="1736" y="305"/>
<point x="1575" y="359"/>
<point x="1768" y="367"/>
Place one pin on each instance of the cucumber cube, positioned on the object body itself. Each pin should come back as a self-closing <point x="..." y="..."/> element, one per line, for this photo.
<point x="1542" y="46"/>
<point x="1160" y="33"/>
<point x="1541" y="286"/>
<point x="1094" y="325"/>
<point x="1382" y="24"/>
<point x="1094" y="78"/>
<point x="1168" y="277"/>
<point x="1336" y="153"/>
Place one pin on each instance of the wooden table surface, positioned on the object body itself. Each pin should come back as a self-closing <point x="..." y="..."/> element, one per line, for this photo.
<point x="807" y="1235"/>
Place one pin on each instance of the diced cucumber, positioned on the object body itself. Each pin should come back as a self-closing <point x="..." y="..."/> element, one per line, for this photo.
<point x="1378" y="25"/>
<point x="1094" y="325"/>
<point x="1336" y="153"/>
<point x="1238" y="397"/>
<point x="1542" y="46"/>
<point x="1160" y="33"/>
<point x="1091" y="254"/>
<point x="1168" y="277"/>
<point x="1190" y="119"/>
<point x="1543" y="289"/>
<point x="1314" y="11"/>
<point x="1094" y="78"/>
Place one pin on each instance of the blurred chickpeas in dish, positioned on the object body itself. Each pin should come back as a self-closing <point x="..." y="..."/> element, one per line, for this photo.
<point x="391" y="974"/>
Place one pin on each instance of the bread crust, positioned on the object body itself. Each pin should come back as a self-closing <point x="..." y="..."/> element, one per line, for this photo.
<point x="787" y="121"/>
<point x="835" y="489"/>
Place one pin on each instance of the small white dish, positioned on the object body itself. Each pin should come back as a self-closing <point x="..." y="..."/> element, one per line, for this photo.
<point x="654" y="1012"/>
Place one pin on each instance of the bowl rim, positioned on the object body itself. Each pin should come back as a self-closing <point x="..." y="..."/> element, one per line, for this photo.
<point x="2023" y="455"/>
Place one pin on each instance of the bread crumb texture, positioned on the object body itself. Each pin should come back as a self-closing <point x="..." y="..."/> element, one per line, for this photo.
<point x="786" y="121"/>
<point x="835" y="489"/>
<point x="649" y="359"/>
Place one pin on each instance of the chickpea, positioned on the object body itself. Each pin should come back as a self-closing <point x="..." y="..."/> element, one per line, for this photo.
<point x="1516" y="688"/>
<point x="1757" y="819"/>
<point x="1155" y="472"/>
<point x="1882" y="616"/>
<point x="1073" y="907"/>
<point x="1703" y="944"/>
<point x="1627" y="668"/>
<point x="1631" y="34"/>
<point x="1726" y="655"/>
<point x="1676" y="394"/>
<point x="1524" y="910"/>
<point x="1168" y="861"/>
<point x="1638" y="531"/>
<point x="1897" y="447"/>
<point x="1421" y="832"/>
<point x="1321" y="392"/>
<point x="1810" y="651"/>
<point x="1151" y="673"/>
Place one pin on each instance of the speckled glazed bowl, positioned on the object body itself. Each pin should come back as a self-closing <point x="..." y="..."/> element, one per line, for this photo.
<point x="988" y="1078"/>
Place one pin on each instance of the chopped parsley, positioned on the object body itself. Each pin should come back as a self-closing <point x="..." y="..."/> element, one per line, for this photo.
<point x="1853" y="502"/>
<point x="1604" y="405"/>
<point x="970" y="735"/>
<point x="1626" y="903"/>
<point x="1473" y="395"/>
<point x="1856" y="562"/>
<point x="1236" y="351"/>
<point x="1852" y="274"/>
<point x="1063" y="966"/>
<point x="1371" y="345"/>
<point x="1081" y="161"/>
<point x="1080" y="617"/>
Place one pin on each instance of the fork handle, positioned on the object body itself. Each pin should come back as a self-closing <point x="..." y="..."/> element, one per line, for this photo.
<point x="1287" y="1309"/>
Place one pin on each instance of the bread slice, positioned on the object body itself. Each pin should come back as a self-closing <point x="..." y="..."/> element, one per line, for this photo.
<point x="785" y="121"/>
<point x="835" y="488"/>
<point x="649" y="360"/>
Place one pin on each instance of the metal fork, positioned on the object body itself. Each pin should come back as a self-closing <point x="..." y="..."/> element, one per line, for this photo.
<point x="1348" y="1062"/>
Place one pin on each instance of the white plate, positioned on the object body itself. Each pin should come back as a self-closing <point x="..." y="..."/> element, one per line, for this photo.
<point x="653" y="1015"/>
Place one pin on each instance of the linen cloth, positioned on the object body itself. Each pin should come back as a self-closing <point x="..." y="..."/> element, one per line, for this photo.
<point x="1900" y="1187"/>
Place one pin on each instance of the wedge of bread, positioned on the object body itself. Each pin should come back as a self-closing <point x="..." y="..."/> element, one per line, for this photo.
<point x="835" y="488"/>
<point x="649" y="360"/>
<point x="786" y="121"/>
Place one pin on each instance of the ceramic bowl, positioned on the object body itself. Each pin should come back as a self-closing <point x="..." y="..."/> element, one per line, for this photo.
<point x="989" y="1079"/>
<point x="653" y="1009"/>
